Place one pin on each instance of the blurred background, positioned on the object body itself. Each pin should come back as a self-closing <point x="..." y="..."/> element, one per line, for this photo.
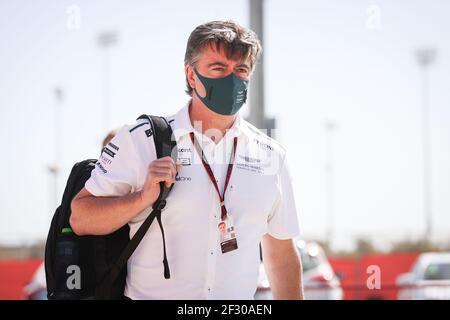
<point x="357" y="91"/>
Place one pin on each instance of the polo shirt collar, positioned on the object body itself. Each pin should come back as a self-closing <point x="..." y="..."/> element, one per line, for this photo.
<point x="182" y="124"/>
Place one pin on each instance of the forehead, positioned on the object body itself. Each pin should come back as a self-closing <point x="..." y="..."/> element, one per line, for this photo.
<point x="212" y="53"/>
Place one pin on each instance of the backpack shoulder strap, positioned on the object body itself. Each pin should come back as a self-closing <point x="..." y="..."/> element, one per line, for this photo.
<point x="81" y="171"/>
<point x="165" y="146"/>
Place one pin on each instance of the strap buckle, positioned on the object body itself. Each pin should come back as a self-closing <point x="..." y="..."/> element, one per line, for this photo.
<point x="159" y="205"/>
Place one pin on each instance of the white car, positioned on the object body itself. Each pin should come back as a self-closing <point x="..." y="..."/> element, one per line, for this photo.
<point x="319" y="280"/>
<point x="429" y="278"/>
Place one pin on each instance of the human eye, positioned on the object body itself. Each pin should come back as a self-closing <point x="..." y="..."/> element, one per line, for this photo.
<point x="242" y="70"/>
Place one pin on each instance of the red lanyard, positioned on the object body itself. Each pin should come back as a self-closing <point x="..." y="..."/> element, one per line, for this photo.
<point x="211" y="174"/>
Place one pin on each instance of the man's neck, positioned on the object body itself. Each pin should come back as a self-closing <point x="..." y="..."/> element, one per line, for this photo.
<point x="213" y="125"/>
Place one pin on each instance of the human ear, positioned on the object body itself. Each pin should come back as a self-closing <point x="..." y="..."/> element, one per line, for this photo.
<point x="190" y="74"/>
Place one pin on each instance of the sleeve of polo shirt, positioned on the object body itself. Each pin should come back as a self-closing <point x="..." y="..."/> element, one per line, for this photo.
<point x="283" y="220"/>
<point x="115" y="173"/>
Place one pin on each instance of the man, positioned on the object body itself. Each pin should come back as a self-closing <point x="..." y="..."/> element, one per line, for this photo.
<point x="227" y="171"/>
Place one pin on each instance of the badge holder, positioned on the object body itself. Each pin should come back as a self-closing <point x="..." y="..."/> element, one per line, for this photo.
<point x="228" y="241"/>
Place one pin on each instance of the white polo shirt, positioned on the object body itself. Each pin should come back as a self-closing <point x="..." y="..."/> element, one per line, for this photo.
<point x="259" y="197"/>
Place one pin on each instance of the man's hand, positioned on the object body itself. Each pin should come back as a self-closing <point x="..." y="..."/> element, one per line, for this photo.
<point x="102" y="215"/>
<point x="160" y="170"/>
<point x="283" y="268"/>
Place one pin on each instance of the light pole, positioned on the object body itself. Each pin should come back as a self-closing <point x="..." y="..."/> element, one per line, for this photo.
<point x="54" y="169"/>
<point x="105" y="41"/>
<point x="257" y="109"/>
<point x="257" y="106"/>
<point x="425" y="58"/>
<point x="330" y="128"/>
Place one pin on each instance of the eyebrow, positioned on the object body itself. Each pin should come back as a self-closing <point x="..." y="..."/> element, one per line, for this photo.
<point x="221" y="64"/>
<point x="217" y="64"/>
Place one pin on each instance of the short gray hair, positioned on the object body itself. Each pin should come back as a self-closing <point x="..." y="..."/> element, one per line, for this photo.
<point x="238" y="42"/>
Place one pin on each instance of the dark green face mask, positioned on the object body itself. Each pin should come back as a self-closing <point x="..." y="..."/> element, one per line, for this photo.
<point x="223" y="95"/>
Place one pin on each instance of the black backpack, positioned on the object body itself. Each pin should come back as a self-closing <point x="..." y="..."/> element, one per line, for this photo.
<point x="94" y="267"/>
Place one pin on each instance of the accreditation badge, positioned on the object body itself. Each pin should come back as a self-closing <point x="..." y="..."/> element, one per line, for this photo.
<point x="228" y="241"/>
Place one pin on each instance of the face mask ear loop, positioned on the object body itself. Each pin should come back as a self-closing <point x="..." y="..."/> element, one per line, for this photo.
<point x="208" y="94"/>
<point x="198" y="95"/>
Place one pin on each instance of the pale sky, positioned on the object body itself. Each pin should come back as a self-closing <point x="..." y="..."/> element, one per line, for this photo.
<point x="351" y="62"/>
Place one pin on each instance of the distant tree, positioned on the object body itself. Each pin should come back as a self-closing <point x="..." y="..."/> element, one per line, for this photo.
<point x="414" y="246"/>
<point x="34" y="251"/>
<point x="326" y="247"/>
<point x="364" y="246"/>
